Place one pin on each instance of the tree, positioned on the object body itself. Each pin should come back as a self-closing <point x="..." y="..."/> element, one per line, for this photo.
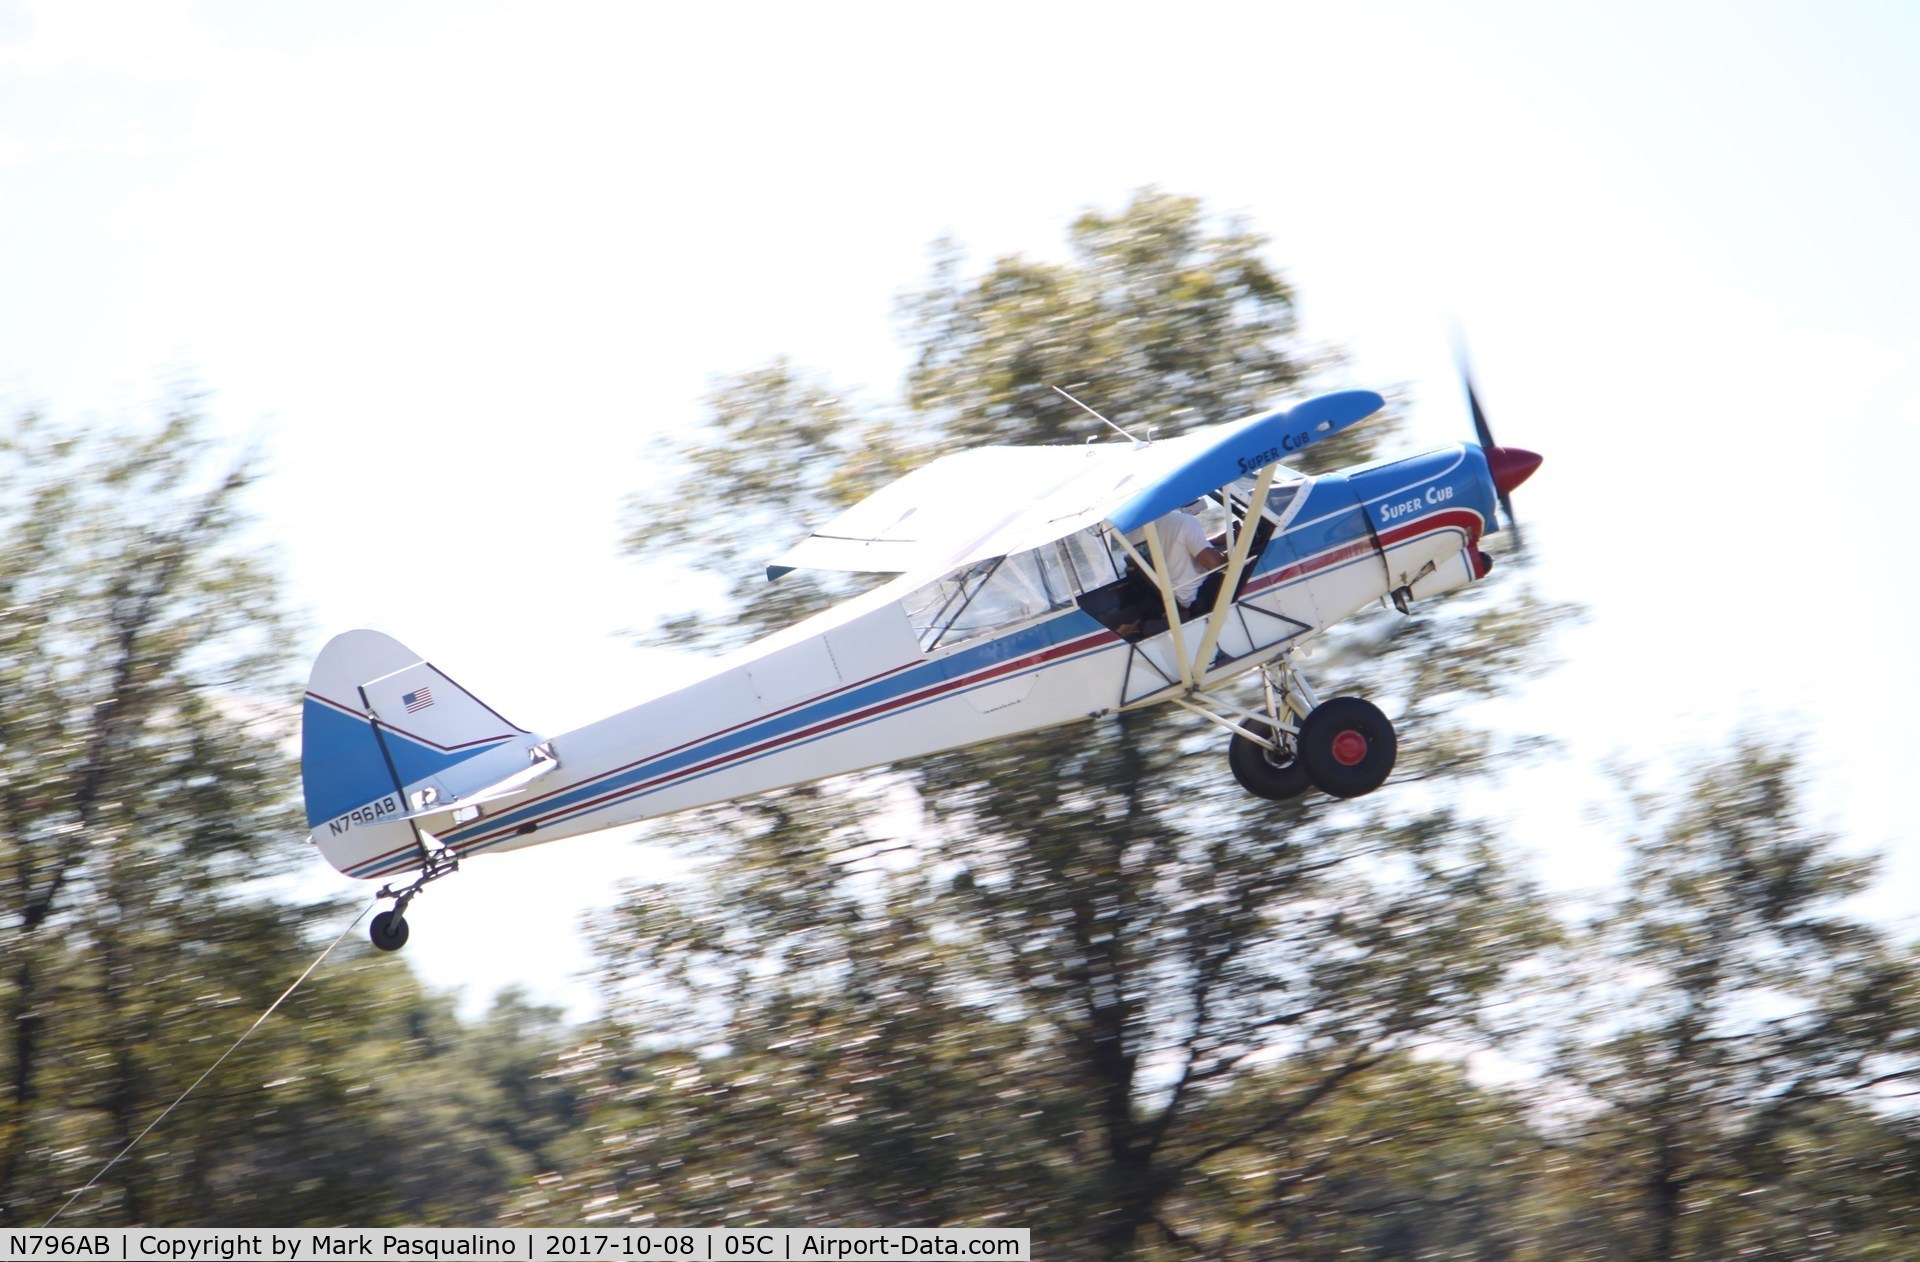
<point x="1172" y="953"/>
<point x="1738" y="1025"/>
<point x="145" y="796"/>
<point x="1414" y="1161"/>
<point x="1169" y="319"/>
<point x="724" y="506"/>
<point x="1025" y="981"/>
<point x="136" y="793"/>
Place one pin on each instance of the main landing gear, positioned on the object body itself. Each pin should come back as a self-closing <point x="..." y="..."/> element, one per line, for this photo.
<point x="389" y="929"/>
<point x="1343" y="746"/>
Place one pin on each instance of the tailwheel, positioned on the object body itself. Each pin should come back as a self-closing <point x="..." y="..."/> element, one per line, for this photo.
<point x="1347" y="746"/>
<point x="389" y="930"/>
<point x="1275" y="774"/>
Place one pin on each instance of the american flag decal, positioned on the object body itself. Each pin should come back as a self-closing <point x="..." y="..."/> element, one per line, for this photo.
<point x="417" y="700"/>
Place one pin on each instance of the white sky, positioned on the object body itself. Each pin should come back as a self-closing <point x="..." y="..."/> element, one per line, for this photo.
<point x="464" y="263"/>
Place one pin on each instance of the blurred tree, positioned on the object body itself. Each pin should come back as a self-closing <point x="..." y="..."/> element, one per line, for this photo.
<point x="1021" y="984"/>
<point x="145" y="800"/>
<point x="387" y="1109"/>
<point x="137" y="787"/>
<point x="1738" y="1026"/>
<point x="779" y="450"/>
<point x="1413" y="1161"/>
<point x="790" y="1040"/>
<point x="1159" y="318"/>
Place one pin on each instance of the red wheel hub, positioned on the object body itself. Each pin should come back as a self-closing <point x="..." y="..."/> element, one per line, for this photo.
<point x="1349" y="748"/>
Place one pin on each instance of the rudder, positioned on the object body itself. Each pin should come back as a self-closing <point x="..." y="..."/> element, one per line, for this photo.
<point x="378" y="721"/>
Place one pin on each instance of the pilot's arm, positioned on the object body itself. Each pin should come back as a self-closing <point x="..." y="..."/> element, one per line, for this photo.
<point x="1206" y="554"/>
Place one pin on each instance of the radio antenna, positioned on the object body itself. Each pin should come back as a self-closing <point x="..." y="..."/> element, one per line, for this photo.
<point x="1095" y="415"/>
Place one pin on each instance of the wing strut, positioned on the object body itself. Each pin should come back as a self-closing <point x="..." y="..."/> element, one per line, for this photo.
<point x="1156" y="569"/>
<point x="1230" y="581"/>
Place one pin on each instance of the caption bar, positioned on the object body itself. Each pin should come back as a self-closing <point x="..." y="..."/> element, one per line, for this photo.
<point x="522" y="1244"/>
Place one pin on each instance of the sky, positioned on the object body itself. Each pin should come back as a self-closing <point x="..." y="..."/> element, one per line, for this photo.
<point x="461" y="268"/>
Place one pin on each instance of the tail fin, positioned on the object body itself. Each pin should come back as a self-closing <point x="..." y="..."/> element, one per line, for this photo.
<point x="380" y="729"/>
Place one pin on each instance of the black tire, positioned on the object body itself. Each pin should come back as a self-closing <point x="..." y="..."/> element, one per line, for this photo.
<point x="1264" y="772"/>
<point x="1347" y="746"/>
<point x="389" y="931"/>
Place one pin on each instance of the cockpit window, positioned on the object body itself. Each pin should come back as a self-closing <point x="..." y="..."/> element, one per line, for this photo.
<point x="1004" y="591"/>
<point x="976" y="599"/>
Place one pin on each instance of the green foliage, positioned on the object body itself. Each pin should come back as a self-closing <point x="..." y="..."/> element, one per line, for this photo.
<point x="145" y="793"/>
<point x="786" y="1042"/>
<point x="1739" y="1022"/>
<point x="1169" y="321"/>
<point x="781" y="451"/>
<point x="138" y="789"/>
<point x="1410" y="1161"/>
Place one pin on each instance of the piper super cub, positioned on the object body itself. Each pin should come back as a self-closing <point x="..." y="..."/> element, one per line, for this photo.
<point x="1033" y="586"/>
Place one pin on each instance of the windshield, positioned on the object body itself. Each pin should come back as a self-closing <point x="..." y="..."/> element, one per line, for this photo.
<point x="1279" y="496"/>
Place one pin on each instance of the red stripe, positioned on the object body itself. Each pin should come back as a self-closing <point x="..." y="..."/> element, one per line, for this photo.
<point x="1465" y="520"/>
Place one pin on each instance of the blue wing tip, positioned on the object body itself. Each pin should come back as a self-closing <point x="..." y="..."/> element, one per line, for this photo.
<point x="1346" y="403"/>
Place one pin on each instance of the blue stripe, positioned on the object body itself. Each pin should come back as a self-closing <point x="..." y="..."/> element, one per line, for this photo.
<point x="1325" y="493"/>
<point x="935" y="675"/>
<point x="1327" y="497"/>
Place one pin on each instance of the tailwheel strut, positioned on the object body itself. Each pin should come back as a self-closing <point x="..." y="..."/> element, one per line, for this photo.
<point x="389" y="930"/>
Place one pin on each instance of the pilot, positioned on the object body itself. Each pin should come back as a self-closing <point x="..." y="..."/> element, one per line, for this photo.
<point x="1193" y="563"/>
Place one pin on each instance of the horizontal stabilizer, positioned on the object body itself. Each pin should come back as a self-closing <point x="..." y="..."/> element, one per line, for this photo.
<point x="541" y="763"/>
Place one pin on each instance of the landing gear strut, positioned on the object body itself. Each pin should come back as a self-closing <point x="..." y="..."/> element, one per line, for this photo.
<point x="1343" y="746"/>
<point x="389" y="929"/>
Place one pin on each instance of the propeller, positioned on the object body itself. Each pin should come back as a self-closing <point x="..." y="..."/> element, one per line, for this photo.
<point x="1510" y="466"/>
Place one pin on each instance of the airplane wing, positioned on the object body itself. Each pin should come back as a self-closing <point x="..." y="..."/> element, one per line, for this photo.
<point x="995" y="501"/>
<point x="925" y="516"/>
<point x="1240" y="449"/>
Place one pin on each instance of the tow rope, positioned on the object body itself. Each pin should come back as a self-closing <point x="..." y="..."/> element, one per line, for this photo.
<point x="134" y="1142"/>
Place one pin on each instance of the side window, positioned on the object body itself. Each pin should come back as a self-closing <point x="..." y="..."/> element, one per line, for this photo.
<point x="1014" y="592"/>
<point x="1090" y="559"/>
<point x="1003" y="591"/>
<point x="974" y="600"/>
<point x="989" y="595"/>
<point x="932" y="609"/>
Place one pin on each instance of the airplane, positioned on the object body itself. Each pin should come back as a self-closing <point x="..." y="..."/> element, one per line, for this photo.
<point x="1032" y="587"/>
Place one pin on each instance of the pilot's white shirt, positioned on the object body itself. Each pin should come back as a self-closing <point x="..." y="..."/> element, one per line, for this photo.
<point x="1182" y="539"/>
